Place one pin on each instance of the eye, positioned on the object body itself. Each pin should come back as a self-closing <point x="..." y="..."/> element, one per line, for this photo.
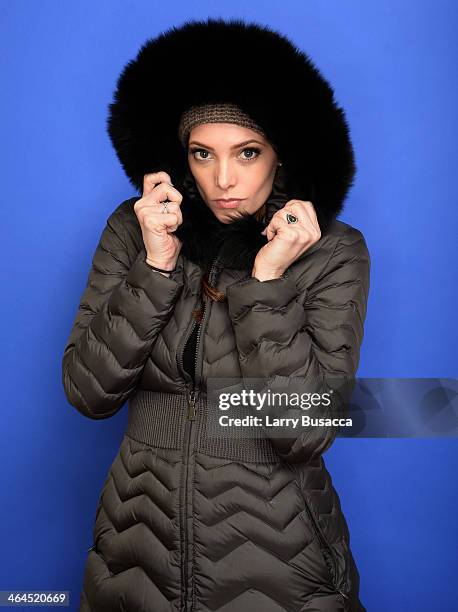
<point x="253" y="153"/>
<point x="203" y="151"/>
<point x="252" y="150"/>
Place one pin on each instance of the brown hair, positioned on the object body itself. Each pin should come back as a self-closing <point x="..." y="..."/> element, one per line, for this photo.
<point x="210" y="291"/>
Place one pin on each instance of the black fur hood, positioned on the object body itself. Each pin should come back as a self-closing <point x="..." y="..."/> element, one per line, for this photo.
<point x="268" y="77"/>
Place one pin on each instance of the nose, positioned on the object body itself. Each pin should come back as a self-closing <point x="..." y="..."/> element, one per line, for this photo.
<point x="225" y="175"/>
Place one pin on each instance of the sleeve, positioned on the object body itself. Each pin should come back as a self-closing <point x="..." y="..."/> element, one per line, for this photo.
<point x="121" y="312"/>
<point x="313" y="335"/>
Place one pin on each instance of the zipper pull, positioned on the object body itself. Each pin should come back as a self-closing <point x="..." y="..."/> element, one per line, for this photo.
<point x="192" y="406"/>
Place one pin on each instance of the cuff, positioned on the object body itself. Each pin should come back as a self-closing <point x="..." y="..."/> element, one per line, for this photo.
<point x="156" y="285"/>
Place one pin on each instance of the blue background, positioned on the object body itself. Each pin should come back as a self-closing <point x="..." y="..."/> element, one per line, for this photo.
<point x="393" y="67"/>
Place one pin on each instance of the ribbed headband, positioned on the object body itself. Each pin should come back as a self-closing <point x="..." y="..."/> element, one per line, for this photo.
<point x="213" y="113"/>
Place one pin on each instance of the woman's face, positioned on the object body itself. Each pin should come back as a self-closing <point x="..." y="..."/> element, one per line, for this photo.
<point x="231" y="162"/>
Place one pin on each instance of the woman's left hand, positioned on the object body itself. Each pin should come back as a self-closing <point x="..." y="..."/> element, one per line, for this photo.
<point x="287" y="241"/>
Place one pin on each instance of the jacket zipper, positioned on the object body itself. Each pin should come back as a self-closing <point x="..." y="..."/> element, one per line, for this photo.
<point x="324" y="545"/>
<point x="191" y="415"/>
<point x="192" y="396"/>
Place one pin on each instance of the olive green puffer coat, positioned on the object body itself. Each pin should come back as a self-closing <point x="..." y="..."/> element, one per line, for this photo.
<point x="191" y="522"/>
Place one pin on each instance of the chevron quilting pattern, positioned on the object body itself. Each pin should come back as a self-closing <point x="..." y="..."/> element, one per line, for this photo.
<point x="138" y="505"/>
<point x="251" y="536"/>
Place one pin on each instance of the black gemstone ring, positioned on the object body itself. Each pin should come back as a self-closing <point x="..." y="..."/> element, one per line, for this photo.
<point x="291" y="218"/>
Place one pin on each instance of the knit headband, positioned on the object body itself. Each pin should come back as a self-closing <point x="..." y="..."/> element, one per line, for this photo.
<point x="213" y="113"/>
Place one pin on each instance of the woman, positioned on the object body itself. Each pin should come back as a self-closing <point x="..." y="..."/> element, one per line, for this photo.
<point x="186" y="289"/>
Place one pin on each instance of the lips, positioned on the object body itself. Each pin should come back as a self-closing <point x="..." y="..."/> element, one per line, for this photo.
<point x="229" y="203"/>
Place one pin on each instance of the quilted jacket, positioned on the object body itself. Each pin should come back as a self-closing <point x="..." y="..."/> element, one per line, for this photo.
<point x="186" y="521"/>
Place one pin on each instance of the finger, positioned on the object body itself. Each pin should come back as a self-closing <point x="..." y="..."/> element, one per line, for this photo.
<point x="163" y="192"/>
<point x="278" y="224"/>
<point x="306" y="214"/>
<point x="174" y="209"/>
<point x="299" y="209"/>
<point x="158" y="208"/>
<point x="154" y="178"/>
<point x="310" y="210"/>
<point x="279" y="219"/>
<point x="156" y="222"/>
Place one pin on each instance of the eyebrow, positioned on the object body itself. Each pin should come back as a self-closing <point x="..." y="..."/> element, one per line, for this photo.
<point x="241" y="144"/>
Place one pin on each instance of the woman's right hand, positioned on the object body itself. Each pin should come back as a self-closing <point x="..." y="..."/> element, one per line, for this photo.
<point x="162" y="246"/>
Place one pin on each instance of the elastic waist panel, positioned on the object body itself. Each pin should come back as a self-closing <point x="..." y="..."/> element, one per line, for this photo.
<point x="159" y="420"/>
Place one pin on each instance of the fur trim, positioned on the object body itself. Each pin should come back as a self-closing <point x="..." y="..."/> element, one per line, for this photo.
<point x="263" y="73"/>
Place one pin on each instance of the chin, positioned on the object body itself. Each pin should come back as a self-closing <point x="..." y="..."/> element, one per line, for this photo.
<point x="224" y="216"/>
